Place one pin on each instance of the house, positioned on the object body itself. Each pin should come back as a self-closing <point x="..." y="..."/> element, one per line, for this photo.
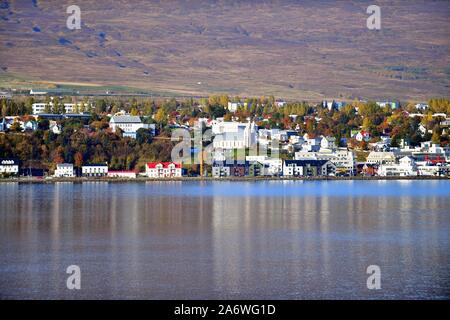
<point x="343" y="159"/>
<point x="422" y="130"/>
<point x="233" y="106"/>
<point x="239" y="169"/>
<point x="9" y="166"/>
<point x="122" y="174"/>
<point x="234" y="135"/>
<point x="163" y="170"/>
<point x="381" y="157"/>
<point x="383" y="145"/>
<point x="226" y="169"/>
<point x="406" y="167"/>
<point x="441" y="170"/>
<point x="280" y="103"/>
<point x="220" y="169"/>
<point x="128" y="124"/>
<point x="445" y="123"/>
<point x="422" y="106"/>
<point x="257" y="169"/>
<point x="367" y="169"/>
<point x="362" y="136"/>
<point x="390" y="104"/>
<point x="30" y="125"/>
<point x="272" y="166"/>
<point x="94" y="170"/>
<point x="55" y="128"/>
<point x="330" y="105"/>
<point x="308" y="168"/>
<point x="328" y="143"/>
<point x="64" y="170"/>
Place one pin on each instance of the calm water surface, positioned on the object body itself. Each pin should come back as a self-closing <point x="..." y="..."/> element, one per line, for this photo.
<point x="234" y="240"/>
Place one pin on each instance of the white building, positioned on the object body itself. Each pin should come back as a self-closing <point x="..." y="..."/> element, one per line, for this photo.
<point x="122" y="174"/>
<point x="274" y="166"/>
<point x="64" y="170"/>
<point x="422" y="106"/>
<point x="234" y="135"/>
<point x="280" y="103"/>
<point x="68" y="107"/>
<point x="437" y="170"/>
<point x="362" y="135"/>
<point x="163" y="170"/>
<point x="307" y="168"/>
<point x="233" y="106"/>
<point x="406" y="167"/>
<point x="94" y="170"/>
<point x="38" y="107"/>
<point x="55" y="128"/>
<point x="381" y="157"/>
<point x="9" y="166"/>
<point x="328" y="143"/>
<point x="128" y="124"/>
<point x="5" y="95"/>
<point x="344" y="160"/>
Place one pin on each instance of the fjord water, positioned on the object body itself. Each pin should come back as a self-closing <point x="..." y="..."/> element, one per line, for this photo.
<point x="236" y="240"/>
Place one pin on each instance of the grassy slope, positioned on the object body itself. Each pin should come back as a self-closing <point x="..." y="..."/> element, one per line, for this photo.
<point x="311" y="50"/>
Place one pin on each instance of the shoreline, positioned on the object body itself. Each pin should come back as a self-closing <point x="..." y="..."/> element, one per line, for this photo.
<point x="212" y="179"/>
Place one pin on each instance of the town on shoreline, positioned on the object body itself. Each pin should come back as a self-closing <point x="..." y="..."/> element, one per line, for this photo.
<point x="44" y="137"/>
<point x="37" y="180"/>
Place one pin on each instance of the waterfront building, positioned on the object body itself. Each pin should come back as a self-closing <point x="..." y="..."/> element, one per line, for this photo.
<point x="257" y="169"/>
<point x="441" y="170"/>
<point x="381" y="157"/>
<point x="308" y="168"/>
<point x="220" y="169"/>
<point x="405" y="167"/>
<point x="64" y="170"/>
<point x="9" y="166"/>
<point x="273" y="166"/>
<point x="94" y="170"/>
<point x="344" y="160"/>
<point x="122" y="174"/>
<point x="163" y="170"/>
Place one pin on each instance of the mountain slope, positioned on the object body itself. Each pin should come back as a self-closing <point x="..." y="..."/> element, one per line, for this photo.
<point x="302" y="50"/>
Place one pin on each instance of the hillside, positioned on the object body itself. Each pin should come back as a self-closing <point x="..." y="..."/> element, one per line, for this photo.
<point x="292" y="49"/>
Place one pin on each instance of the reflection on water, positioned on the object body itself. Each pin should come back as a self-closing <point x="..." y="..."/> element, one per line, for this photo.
<point x="201" y="240"/>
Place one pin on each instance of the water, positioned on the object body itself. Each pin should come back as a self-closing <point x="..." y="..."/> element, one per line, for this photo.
<point x="234" y="240"/>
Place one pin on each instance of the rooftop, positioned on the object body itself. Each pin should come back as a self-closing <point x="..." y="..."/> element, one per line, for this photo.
<point x="126" y="119"/>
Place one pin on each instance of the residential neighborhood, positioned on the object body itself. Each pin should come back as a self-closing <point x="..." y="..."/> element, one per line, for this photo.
<point x="238" y="138"/>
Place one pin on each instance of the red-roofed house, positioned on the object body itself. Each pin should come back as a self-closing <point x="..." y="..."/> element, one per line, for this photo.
<point x="163" y="170"/>
<point x="363" y="135"/>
